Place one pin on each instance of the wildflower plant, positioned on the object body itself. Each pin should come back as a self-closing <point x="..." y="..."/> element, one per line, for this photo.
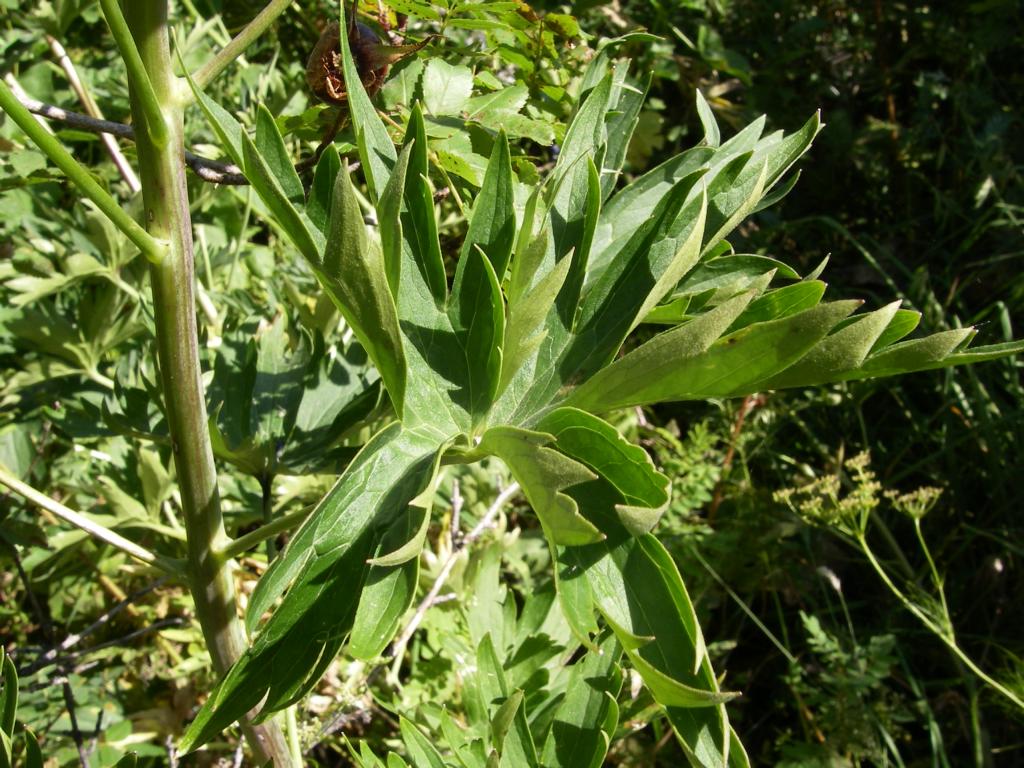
<point x="512" y="349"/>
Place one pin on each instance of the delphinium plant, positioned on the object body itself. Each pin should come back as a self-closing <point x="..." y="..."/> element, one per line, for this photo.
<point x="509" y="348"/>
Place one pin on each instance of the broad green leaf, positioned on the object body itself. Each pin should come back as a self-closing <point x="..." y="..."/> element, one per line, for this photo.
<point x="376" y="149"/>
<point x="275" y="155"/>
<point x="586" y="719"/>
<point x="510" y="99"/>
<point x="544" y="474"/>
<point x="492" y="223"/>
<point x="353" y="275"/>
<point x="324" y="571"/>
<point x="421" y="750"/>
<point x="420" y="8"/>
<point x="627" y="467"/>
<point x="446" y="87"/>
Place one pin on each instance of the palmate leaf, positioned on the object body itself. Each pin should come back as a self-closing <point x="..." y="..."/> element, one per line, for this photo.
<point x="512" y="361"/>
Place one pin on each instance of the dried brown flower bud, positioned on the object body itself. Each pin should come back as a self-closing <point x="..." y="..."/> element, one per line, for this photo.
<point x="372" y="58"/>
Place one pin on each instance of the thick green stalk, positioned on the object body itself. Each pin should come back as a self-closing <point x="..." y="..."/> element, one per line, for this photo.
<point x="162" y="171"/>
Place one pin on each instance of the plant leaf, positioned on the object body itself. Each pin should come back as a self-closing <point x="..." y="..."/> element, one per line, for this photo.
<point x="586" y="719"/>
<point x="627" y="467"/>
<point x="492" y="223"/>
<point x="376" y="150"/>
<point x="324" y="570"/>
<point x="353" y="275"/>
<point x="544" y="474"/>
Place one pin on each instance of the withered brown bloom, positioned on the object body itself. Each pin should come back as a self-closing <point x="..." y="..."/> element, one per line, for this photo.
<point x="373" y="59"/>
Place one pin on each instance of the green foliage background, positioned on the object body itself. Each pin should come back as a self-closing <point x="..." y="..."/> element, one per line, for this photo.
<point x="914" y="189"/>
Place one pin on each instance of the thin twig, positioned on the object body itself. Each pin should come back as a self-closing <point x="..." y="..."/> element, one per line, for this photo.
<point x="123" y="167"/>
<point x="82" y="522"/>
<point x="214" y="171"/>
<point x="20" y="94"/>
<point x="71" y="640"/>
<point x="43" y="617"/>
<point x="398" y="648"/>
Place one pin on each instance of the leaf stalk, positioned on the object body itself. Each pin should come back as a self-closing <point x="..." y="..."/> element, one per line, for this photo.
<point x="168" y="565"/>
<point x="152" y="248"/>
<point x="253" y="30"/>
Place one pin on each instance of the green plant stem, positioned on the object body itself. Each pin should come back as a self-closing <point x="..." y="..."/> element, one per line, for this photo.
<point x="162" y="171"/>
<point x="97" y="531"/>
<point x="942" y="634"/>
<point x="144" y="92"/>
<point x="243" y="544"/>
<point x="79" y="176"/>
<point x="213" y="67"/>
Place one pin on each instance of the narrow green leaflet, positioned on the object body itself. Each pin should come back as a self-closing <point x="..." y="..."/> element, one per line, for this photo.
<point x="389" y="217"/>
<point x="510" y="732"/>
<point x="731" y="365"/>
<point x="275" y="155"/>
<point x="376" y="149"/>
<point x="390" y="586"/>
<point x="318" y="204"/>
<point x="544" y="474"/>
<point x="621" y="123"/>
<point x="421" y="749"/>
<point x="492" y="225"/>
<point x="353" y="273"/>
<point x="712" y="136"/>
<point x="637" y="589"/>
<point x="9" y="702"/>
<point x="295" y="224"/>
<point x="477" y="315"/>
<point x="587" y="717"/>
<point x="419" y="221"/>
<point x="599" y="446"/>
<point x="843" y="350"/>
